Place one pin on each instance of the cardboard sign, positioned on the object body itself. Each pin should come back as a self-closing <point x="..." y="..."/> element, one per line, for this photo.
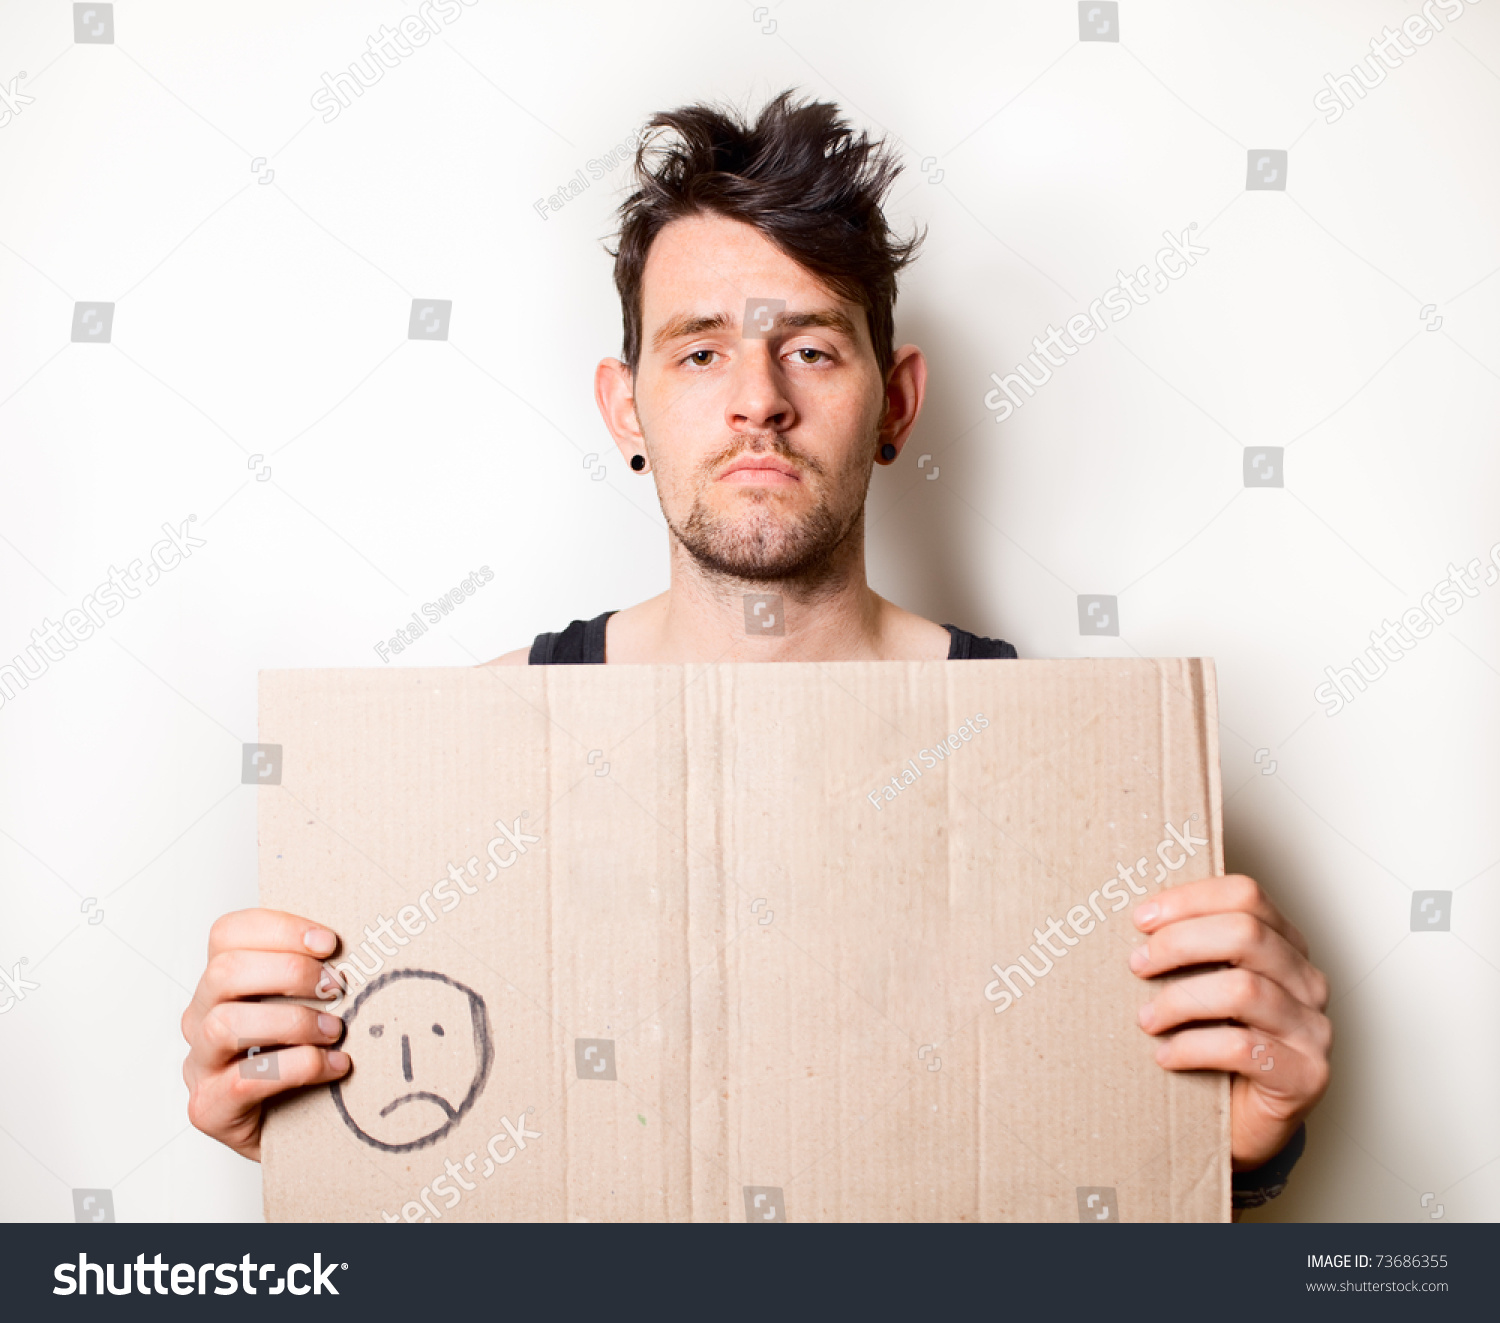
<point x="776" y="943"/>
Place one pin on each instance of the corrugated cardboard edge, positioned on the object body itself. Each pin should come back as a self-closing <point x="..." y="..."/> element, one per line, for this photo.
<point x="1199" y="678"/>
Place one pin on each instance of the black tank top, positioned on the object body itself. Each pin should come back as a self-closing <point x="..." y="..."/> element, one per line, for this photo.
<point x="583" y="641"/>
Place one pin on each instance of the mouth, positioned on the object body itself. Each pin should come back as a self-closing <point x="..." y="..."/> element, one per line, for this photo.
<point x="420" y="1097"/>
<point x="761" y="470"/>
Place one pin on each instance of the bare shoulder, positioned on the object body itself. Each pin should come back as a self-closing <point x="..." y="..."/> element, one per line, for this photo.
<point x="520" y="657"/>
<point x="910" y="637"/>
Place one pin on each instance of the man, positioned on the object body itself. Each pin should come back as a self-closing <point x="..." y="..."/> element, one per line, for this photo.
<point x="760" y="383"/>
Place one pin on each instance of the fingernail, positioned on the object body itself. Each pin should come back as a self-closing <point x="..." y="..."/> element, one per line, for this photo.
<point x="1147" y="912"/>
<point x="338" y="1061"/>
<point x="1146" y="1015"/>
<point x="1140" y="956"/>
<point x="1161" y="1055"/>
<point x="329" y="1025"/>
<point x="319" y="941"/>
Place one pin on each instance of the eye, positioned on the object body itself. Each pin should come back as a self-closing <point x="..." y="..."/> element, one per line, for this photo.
<point x="807" y="349"/>
<point x="438" y="1030"/>
<point x="376" y="1030"/>
<point x="697" y="357"/>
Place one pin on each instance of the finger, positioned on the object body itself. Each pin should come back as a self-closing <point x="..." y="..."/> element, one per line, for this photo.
<point x="219" y="1101"/>
<point x="232" y="1027"/>
<point x="1269" y="1064"/>
<point x="234" y="974"/>
<point x="1237" y="939"/>
<point x="270" y="930"/>
<point x="1216" y="895"/>
<point x="268" y="1073"/>
<point x="1232" y="994"/>
<point x="213" y="988"/>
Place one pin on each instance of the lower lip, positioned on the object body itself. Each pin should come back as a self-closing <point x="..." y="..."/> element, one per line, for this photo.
<point x="766" y="477"/>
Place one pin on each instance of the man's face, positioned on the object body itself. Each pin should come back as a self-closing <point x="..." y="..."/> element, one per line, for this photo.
<point x="762" y="444"/>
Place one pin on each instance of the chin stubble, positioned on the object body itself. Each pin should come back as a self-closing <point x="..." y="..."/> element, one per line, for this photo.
<point x="758" y="547"/>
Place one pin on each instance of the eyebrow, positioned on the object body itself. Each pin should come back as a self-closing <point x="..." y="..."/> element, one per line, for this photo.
<point x="686" y="326"/>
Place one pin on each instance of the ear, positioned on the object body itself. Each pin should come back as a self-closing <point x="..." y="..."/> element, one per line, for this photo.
<point x="614" y="393"/>
<point x="905" y="389"/>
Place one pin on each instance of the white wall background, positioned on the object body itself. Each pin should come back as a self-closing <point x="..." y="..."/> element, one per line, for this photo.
<point x="261" y="316"/>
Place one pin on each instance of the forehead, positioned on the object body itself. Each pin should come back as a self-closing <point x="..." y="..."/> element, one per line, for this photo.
<point x="700" y="265"/>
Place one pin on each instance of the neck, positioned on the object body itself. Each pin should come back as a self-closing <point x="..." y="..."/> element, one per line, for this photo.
<point x="827" y="613"/>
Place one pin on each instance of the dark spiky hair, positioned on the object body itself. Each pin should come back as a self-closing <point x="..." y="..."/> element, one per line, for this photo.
<point x="799" y="175"/>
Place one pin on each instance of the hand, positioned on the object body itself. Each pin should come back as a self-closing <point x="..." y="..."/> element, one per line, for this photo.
<point x="257" y="953"/>
<point x="1277" y="1049"/>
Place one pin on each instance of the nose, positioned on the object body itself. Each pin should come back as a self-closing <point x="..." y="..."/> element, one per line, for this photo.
<point x="757" y="394"/>
<point x="406" y="1057"/>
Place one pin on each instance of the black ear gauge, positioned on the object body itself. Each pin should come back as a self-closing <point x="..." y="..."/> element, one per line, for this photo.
<point x="638" y="463"/>
<point x="887" y="453"/>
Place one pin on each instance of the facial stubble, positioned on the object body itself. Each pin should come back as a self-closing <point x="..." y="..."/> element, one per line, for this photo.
<point x="760" y="541"/>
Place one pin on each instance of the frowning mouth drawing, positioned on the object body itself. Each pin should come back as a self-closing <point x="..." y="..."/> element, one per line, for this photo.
<point x="413" y="1027"/>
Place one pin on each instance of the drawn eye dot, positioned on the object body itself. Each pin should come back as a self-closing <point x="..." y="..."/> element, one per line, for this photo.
<point x="376" y="1030"/>
<point x="438" y="1030"/>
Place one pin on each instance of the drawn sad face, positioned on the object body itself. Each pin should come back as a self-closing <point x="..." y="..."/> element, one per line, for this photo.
<point x="420" y="1043"/>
